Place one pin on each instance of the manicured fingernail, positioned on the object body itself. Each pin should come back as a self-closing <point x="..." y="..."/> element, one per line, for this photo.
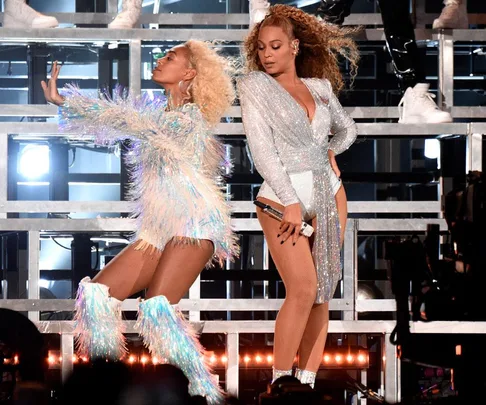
<point x="282" y="242"/>
<point x="278" y="236"/>
<point x="294" y="243"/>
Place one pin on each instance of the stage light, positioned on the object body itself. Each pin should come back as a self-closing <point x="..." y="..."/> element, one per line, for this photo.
<point x="349" y="357"/>
<point x="346" y="358"/>
<point x="432" y="148"/>
<point x="34" y="161"/>
<point x="51" y="359"/>
<point x="45" y="283"/>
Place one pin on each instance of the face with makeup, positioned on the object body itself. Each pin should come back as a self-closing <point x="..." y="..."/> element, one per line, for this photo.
<point x="174" y="67"/>
<point x="277" y="50"/>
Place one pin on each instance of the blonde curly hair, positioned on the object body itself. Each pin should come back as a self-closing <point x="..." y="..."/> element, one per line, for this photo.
<point x="320" y="44"/>
<point x="212" y="88"/>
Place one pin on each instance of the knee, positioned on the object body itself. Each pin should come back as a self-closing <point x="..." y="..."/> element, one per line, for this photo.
<point x="303" y="293"/>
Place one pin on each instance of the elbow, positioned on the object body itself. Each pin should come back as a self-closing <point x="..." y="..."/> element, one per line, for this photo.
<point x="354" y="132"/>
<point x="351" y="133"/>
<point x="260" y="168"/>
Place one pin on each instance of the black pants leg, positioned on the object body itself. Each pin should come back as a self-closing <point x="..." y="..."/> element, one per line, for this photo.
<point x="335" y="11"/>
<point x="408" y="61"/>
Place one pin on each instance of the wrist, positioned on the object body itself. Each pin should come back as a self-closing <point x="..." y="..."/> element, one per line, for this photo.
<point x="60" y="101"/>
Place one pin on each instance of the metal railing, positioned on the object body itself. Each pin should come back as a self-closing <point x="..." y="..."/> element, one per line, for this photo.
<point x="349" y="305"/>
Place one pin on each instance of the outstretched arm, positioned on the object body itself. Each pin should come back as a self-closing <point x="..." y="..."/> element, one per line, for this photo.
<point x="208" y="150"/>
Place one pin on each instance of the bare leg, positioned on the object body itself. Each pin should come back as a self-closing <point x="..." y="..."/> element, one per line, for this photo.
<point x="178" y="268"/>
<point x="98" y="315"/>
<point x="342" y="208"/>
<point x="298" y="273"/>
<point x="163" y="328"/>
<point x="129" y="272"/>
<point x="315" y="335"/>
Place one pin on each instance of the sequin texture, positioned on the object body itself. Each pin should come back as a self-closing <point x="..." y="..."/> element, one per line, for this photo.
<point x="276" y="374"/>
<point x="282" y="141"/>
<point x="306" y="377"/>
<point x="98" y="325"/>
<point x="177" y="166"/>
<point x="171" y="339"/>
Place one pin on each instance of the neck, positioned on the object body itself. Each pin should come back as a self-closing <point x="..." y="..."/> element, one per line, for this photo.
<point x="174" y="94"/>
<point x="288" y="77"/>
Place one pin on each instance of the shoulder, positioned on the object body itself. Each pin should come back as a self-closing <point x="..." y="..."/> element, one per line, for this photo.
<point x="197" y="117"/>
<point x="191" y="109"/>
<point x="253" y="78"/>
<point x="187" y="115"/>
<point x="322" y="86"/>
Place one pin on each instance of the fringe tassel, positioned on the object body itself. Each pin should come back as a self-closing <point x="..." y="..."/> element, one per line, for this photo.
<point x="98" y="323"/>
<point x="170" y="337"/>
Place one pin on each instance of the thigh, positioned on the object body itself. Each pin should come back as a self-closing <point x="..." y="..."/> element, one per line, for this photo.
<point x="342" y="209"/>
<point x="178" y="268"/>
<point x="294" y="263"/>
<point x="129" y="272"/>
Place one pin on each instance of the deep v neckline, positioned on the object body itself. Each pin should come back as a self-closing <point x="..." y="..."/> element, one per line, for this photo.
<point x="301" y="108"/>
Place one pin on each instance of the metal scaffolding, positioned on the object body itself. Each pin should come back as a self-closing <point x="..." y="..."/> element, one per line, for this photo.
<point x="349" y="305"/>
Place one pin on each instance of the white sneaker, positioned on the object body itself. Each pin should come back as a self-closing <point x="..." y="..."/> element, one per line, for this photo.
<point x="258" y="11"/>
<point x="417" y="106"/>
<point x="20" y="15"/>
<point x="453" y="15"/>
<point x="128" y="18"/>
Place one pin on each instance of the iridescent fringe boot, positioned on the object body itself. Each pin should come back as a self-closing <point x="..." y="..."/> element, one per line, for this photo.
<point x="98" y="322"/>
<point x="170" y="338"/>
<point x="276" y="374"/>
<point x="306" y="377"/>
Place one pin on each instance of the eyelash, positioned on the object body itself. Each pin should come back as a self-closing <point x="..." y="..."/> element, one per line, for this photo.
<point x="273" y="47"/>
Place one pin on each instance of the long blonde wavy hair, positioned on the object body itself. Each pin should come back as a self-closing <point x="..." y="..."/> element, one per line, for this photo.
<point x="212" y="88"/>
<point x="320" y="44"/>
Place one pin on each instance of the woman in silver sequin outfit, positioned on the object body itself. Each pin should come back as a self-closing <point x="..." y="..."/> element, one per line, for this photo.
<point x="289" y="108"/>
